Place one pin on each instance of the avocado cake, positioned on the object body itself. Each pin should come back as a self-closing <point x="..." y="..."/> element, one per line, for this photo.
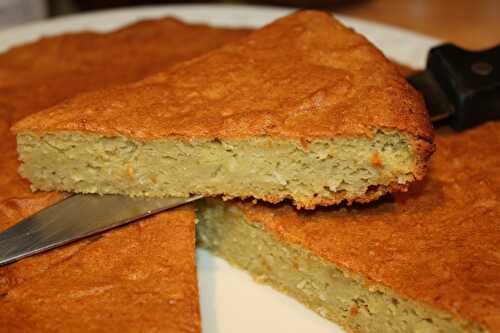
<point x="458" y="278"/>
<point x="304" y="109"/>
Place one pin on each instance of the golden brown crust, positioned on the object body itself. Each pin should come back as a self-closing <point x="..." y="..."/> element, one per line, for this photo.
<point x="74" y="63"/>
<point x="373" y="193"/>
<point x="436" y="244"/>
<point x="304" y="76"/>
<point x="140" y="278"/>
<point x="65" y="270"/>
<point x="423" y="150"/>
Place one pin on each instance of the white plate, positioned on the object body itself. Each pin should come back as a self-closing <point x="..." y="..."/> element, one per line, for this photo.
<point x="230" y="300"/>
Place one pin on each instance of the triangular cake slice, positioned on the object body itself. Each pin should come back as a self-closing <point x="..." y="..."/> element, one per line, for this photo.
<point x="426" y="261"/>
<point x="303" y="108"/>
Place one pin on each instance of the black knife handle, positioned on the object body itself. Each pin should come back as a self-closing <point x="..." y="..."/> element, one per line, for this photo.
<point x="471" y="80"/>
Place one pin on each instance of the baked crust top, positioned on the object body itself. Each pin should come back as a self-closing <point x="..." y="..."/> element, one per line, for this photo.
<point x="437" y="243"/>
<point x="304" y="76"/>
<point x="41" y="74"/>
<point x="138" y="278"/>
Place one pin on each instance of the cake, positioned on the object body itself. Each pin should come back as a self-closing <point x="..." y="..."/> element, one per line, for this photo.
<point x="139" y="277"/>
<point x="425" y="261"/>
<point x="303" y="109"/>
<point x="455" y="208"/>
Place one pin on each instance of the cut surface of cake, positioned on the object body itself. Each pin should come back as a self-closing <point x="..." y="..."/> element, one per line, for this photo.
<point x="302" y="109"/>
<point x="426" y="261"/>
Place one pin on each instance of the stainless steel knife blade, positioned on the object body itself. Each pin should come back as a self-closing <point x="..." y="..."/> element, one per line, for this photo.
<point x="76" y="217"/>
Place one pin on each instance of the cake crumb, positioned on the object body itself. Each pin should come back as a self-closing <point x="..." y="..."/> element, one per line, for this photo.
<point x="376" y="161"/>
<point x="130" y="172"/>
<point x="354" y="310"/>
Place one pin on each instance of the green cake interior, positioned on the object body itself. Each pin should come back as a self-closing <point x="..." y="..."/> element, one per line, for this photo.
<point x="260" y="167"/>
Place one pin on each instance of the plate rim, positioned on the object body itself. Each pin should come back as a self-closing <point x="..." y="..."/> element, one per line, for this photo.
<point x="103" y="20"/>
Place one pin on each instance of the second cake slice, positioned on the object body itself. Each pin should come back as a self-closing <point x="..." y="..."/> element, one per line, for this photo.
<point x="303" y="108"/>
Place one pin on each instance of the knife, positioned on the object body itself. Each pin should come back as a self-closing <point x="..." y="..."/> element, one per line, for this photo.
<point x="459" y="86"/>
<point x="76" y="217"/>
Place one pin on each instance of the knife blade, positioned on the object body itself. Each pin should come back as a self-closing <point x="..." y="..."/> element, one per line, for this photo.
<point x="76" y="217"/>
<point x="461" y="86"/>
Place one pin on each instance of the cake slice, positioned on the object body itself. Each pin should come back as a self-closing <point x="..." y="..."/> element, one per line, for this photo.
<point x="426" y="261"/>
<point x="304" y="109"/>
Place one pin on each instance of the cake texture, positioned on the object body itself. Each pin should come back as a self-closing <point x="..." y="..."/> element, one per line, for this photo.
<point x="112" y="281"/>
<point x="302" y="109"/>
<point x="425" y="261"/>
